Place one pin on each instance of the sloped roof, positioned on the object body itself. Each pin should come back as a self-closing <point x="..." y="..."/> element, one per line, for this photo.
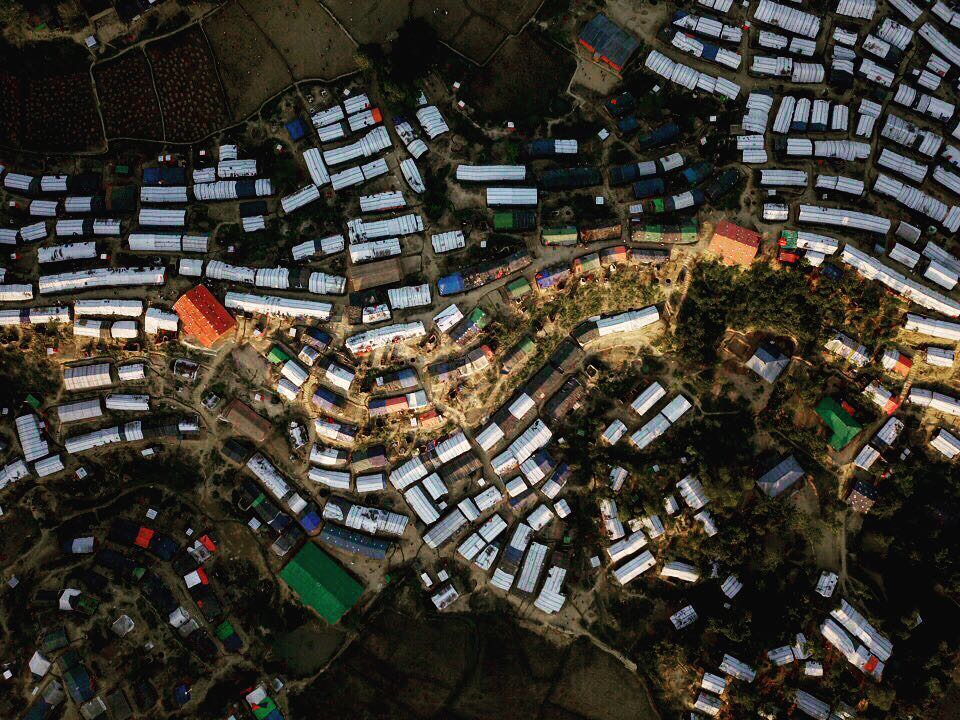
<point x="321" y="583"/>
<point x="734" y="244"/>
<point x="768" y="363"/>
<point x="247" y="421"/>
<point x="608" y="41"/>
<point x="781" y="477"/>
<point x="840" y="422"/>
<point x="203" y="316"/>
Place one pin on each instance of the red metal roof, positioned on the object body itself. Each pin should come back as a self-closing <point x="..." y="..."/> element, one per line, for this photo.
<point x="203" y="316"/>
<point x="740" y="234"/>
<point x="143" y="537"/>
<point x="734" y="244"/>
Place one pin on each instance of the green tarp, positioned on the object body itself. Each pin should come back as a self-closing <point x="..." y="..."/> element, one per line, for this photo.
<point x="840" y="422"/>
<point x="224" y="630"/>
<point x="277" y="355"/>
<point x="321" y="583"/>
<point x="518" y="288"/>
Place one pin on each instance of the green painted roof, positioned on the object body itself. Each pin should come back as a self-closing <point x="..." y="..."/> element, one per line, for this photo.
<point x="321" y="583"/>
<point x="567" y="235"/>
<point x="479" y="318"/>
<point x="840" y="422"/>
<point x="527" y="344"/>
<point x="277" y="355"/>
<point x="519" y="287"/>
<point x="224" y="630"/>
<point x="54" y="640"/>
<point x="264" y="708"/>
<point x="589" y="262"/>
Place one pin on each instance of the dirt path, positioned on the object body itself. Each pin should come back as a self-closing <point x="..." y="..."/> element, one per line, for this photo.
<point x="843" y="554"/>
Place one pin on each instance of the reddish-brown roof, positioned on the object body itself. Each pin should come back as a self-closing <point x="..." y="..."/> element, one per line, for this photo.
<point x="203" y="316"/>
<point x="734" y="244"/>
<point x="375" y="274"/>
<point x="247" y="421"/>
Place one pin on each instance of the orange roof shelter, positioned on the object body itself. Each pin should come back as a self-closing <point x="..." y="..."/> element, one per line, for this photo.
<point x="203" y="316"/>
<point x="734" y="245"/>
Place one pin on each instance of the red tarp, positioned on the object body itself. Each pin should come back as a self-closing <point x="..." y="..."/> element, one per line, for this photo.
<point x="143" y="537"/>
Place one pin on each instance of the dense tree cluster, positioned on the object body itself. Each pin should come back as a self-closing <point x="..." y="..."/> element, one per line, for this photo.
<point x="805" y="306"/>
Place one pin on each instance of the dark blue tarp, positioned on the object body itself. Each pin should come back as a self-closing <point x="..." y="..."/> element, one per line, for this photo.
<point x="296" y="128"/>
<point x="648" y="188"/>
<point x="450" y="284"/>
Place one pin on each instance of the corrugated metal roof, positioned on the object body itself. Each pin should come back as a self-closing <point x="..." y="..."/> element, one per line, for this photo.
<point x="273" y="305"/>
<point x="87" y="377"/>
<point x="511" y="196"/>
<point x="162" y="217"/>
<point x="448" y="241"/>
<point x="380" y="202"/>
<point x="608" y="41"/>
<point x="203" y="316"/>
<point x="301" y="197"/>
<point x="432" y="121"/>
<point x="491" y="173"/>
<point x="100" y="277"/>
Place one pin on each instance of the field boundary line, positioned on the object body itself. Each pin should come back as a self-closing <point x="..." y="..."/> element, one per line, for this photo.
<point x="156" y="94"/>
<point x="216" y="70"/>
<point x="296" y="84"/>
<point x="96" y="104"/>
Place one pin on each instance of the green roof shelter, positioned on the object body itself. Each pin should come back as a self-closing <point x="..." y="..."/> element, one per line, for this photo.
<point x="478" y="318"/>
<point x="565" y="235"/>
<point x="321" y="583"/>
<point x="277" y="355"/>
<point x="840" y="422"/>
<point x="519" y="288"/>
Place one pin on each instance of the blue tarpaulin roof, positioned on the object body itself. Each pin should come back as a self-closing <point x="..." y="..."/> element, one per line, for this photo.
<point x="355" y="542"/>
<point x="310" y="522"/>
<point x="164" y="176"/>
<point x="296" y="129"/>
<point x="608" y="41"/>
<point x="450" y="284"/>
<point x="648" y="188"/>
<point x="548" y="277"/>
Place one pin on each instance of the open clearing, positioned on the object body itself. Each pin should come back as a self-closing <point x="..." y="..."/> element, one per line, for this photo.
<point x="595" y="684"/>
<point x="409" y="664"/>
<point x="478" y="39"/>
<point x="525" y="78"/>
<point x="447" y="21"/>
<point x="250" y="67"/>
<point x="60" y="113"/>
<point x="474" y="29"/>
<point x="310" y="41"/>
<point x="509" y="14"/>
<point x="9" y="109"/>
<point x="369" y="21"/>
